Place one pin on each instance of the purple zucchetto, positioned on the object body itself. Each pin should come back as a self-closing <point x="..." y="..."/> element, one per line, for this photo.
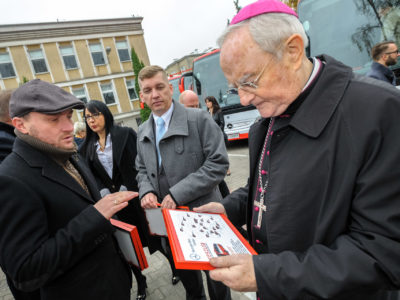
<point x="262" y="7"/>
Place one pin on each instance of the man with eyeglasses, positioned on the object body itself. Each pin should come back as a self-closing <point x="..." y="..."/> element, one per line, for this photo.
<point x="384" y="54"/>
<point x="322" y="202"/>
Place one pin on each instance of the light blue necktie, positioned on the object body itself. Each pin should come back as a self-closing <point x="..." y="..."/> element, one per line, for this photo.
<point x="159" y="134"/>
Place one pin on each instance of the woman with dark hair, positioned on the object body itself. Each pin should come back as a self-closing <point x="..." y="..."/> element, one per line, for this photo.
<point x="215" y="111"/>
<point x="110" y="151"/>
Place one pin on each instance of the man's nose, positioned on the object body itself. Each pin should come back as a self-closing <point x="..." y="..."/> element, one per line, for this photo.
<point x="68" y="125"/>
<point x="245" y="97"/>
<point x="154" y="93"/>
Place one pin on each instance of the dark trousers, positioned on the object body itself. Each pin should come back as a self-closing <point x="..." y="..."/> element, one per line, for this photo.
<point x="193" y="282"/>
<point x="216" y="289"/>
<point x="191" y="279"/>
<point x="223" y="188"/>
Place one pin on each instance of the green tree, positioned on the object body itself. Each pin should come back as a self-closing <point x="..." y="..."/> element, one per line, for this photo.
<point x="237" y="6"/>
<point x="292" y="3"/>
<point x="137" y="66"/>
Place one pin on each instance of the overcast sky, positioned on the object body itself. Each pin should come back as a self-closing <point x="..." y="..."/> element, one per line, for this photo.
<point x="172" y="28"/>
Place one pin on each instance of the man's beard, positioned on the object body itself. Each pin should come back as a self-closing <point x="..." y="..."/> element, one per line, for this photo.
<point x="391" y="61"/>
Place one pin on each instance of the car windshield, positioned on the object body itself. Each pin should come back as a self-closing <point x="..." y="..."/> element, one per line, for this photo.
<point x="175" y="86"/>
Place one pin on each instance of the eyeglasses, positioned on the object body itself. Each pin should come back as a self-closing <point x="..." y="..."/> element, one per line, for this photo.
<point x="395" y="51"/>
<point x="248" y="85"/>
<point x="93" y="116"/>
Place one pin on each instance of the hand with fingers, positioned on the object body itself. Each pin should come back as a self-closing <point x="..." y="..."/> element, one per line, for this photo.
<point x="149" y="201"/>
<point x="113" y="203"/>
<point x="235" y="271"/>
<point x="212" y="207"/>
<point x="168" y="202"/>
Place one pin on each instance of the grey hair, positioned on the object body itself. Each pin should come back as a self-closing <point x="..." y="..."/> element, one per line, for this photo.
<point x="269" y="31"/>
<point x="79" y="126"/>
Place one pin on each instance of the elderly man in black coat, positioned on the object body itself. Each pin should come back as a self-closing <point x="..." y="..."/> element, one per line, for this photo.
<point x="55" y="232"/>
<point x="322" y="201"/>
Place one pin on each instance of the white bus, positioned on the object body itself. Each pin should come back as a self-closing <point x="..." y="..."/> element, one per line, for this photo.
<point x="348" y="29"/>
<point x="209" y="80"/>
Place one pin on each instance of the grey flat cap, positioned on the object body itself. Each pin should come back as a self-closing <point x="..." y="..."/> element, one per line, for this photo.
<point x="43" y="97"/>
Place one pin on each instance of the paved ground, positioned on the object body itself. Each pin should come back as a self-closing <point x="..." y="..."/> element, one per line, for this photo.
<point x="159" y="274"/>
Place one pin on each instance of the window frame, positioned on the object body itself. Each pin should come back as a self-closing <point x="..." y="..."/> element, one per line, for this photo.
<point x="127" y="50"/>
<point x="84" y="91"/>
<point x="99" y="51"/>
<point x="134" y="89"/>
<point x="110" y="91"/>
<point x="36" y="59"/>
<point x="11" y="63"/>
<point x="73" y="55"/>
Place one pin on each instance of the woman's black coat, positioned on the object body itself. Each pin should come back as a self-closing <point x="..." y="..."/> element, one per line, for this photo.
<point x="124" y="173"/>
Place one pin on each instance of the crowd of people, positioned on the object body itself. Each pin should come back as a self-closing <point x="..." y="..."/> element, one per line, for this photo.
<point x="320" y="206"/>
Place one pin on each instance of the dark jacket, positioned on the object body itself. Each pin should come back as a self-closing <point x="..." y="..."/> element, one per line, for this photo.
<point x="379" y="71"/>
<point x="124" y="173"/>
<point x="219" y="119"/>
<point x="333" y="217"/>
<point x="51" y="236"/>
<point x="7" y="137"/>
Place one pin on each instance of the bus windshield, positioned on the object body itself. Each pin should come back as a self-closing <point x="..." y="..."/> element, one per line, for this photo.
<point x="175" y="86"/>
<point x="348" y="29"/>
<point x="213" y="82"/>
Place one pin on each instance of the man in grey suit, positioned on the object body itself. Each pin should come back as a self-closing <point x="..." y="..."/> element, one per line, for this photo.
<point x="181" y="160"/>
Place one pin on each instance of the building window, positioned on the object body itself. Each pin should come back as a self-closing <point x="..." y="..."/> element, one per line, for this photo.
<point x="38" y="62"/>
<point x="68" y="56"/>
<point x="123" y="51"/>
<point x="108" y="93"/>
<point x="97" y="54"/>
<point x="130" y="84"/>
<point x="6" y="67"/>
<point x="80" y="94"/>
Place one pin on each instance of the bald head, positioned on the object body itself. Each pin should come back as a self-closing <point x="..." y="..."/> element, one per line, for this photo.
<point x="189" y="99"/>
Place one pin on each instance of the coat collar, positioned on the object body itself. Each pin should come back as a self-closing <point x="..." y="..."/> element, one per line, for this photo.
<point x="314" y="114"/>
<point x="54" y="172"/>
<point x="177" y="126"/>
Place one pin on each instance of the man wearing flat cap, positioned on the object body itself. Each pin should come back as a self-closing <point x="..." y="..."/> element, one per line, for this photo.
<point x="55" y="233"/>
<point x="322" y="201"/>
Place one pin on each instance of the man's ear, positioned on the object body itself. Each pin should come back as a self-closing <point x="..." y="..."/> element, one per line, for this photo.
<point x="19" y="123"/>
<point x="294" y="51"/>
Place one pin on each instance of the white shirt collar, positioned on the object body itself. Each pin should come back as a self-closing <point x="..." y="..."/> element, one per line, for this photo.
<point x="166" y="117"/>
<point x="317" y="65"/>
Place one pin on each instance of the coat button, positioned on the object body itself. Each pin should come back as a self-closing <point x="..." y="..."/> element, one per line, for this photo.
<point x="153" y="175"/>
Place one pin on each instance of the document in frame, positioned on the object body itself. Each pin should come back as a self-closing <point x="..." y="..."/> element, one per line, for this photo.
<point x="197" y="237"/>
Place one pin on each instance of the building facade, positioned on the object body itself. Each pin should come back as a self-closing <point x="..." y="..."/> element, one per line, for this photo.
<point x="90" y="59"/>
<point x="182" y="64"/>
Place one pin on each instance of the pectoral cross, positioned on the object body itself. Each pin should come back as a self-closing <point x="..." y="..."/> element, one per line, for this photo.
<point x="261" y="208"/>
